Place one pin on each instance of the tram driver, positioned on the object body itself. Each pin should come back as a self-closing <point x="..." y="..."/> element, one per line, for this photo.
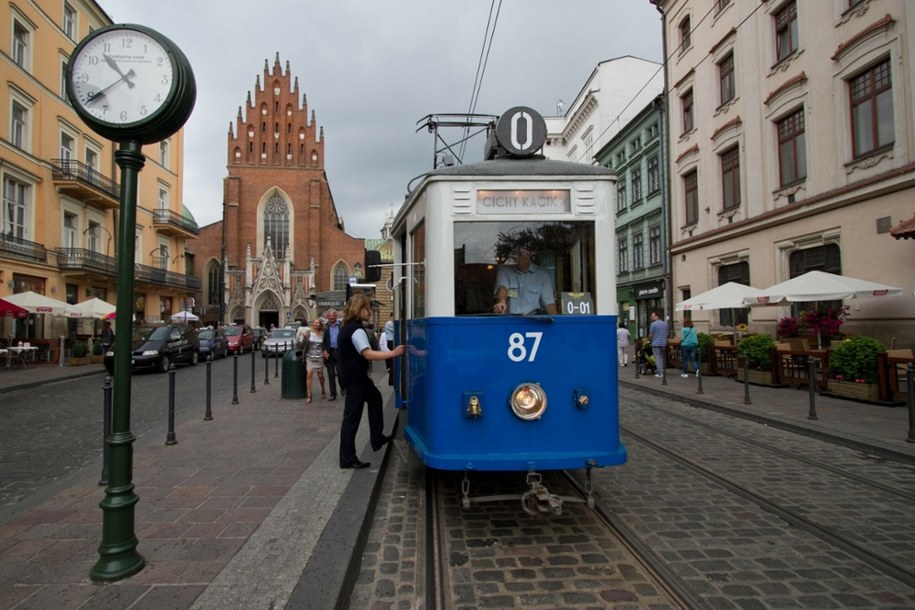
<point x="524" y="288"/>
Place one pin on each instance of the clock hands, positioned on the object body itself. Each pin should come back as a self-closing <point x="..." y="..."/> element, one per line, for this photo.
<point x="92" y="97"/>
<point x="114" y="66"/>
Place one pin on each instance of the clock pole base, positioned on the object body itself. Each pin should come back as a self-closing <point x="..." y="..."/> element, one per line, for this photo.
<point x="117" y="566"/>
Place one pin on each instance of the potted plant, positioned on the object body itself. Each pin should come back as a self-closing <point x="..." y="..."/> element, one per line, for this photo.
<point x="97" y="356"/>
<point x="706" y="341"/>
<point x="757" y="349"/>
<point x="79" y="354"/>
<point x="853" y="369"/>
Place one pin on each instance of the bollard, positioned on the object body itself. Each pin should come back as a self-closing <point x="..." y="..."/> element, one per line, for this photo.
<point x="208" y="416"/>
<point x="910" y="400"/>
<point x="266" y="367"/>
<point x="746" y="379"/>
<point x="253" y="364"/>
<point x="235" y="378"/>
<point x="637" y="365"/>
<point x="63" y="346"/>
<point x="170" y="437"/>
<point x="699" y="379"/>
<point x="276" y="362"/>
<point x="106" y="428"/>
<point x="811" y="387"/>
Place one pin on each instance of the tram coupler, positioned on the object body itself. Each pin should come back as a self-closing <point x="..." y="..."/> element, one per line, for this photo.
<point x="538" y="500"/>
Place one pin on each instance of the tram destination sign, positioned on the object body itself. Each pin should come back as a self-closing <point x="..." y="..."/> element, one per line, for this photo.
<point x="524" y="202"/>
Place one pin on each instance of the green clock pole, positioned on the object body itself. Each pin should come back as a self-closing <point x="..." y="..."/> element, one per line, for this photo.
<point x="118" y="556"/>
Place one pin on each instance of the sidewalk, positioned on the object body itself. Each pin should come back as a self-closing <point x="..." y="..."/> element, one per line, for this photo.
<point x="241" y="511"/>
<point x="874" y="429"/>
<point x="251" y="511"/>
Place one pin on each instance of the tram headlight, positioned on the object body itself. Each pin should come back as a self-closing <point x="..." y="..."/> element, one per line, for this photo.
<point x="528" y="401"/>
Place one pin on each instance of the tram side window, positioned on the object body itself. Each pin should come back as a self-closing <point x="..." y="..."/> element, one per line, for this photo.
<point x="564" y="250"/>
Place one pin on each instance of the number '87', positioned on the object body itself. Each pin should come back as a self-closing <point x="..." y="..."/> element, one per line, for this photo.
<point x="518" y="349"/>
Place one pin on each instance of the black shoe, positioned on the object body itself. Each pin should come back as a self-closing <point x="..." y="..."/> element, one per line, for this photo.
<point x="384" y="441"/>
<point x="332" y="397"/>
<point x="356" y="464"/>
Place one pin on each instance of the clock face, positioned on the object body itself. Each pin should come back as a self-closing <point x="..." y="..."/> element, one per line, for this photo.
<point x="121" y="76"/>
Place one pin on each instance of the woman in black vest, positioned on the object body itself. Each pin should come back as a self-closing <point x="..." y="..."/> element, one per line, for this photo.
<point x="355" y="351"/>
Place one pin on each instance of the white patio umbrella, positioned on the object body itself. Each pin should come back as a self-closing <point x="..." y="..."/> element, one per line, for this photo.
<point x="94" y="308"/>
<point x="816" y="286"/>
<point x="37" y="303"/>
<point x="727" y="296"/>
<point x="184" y="316"/>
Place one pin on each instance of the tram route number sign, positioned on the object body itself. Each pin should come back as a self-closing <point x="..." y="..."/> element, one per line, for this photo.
<point x="577" y="303"/>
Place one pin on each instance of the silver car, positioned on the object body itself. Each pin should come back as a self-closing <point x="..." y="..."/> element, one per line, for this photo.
<point x="278" y="342"/>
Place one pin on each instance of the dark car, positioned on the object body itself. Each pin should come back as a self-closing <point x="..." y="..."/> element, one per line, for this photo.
<point x="159" y="347"/>
<point x="240" y="338"/>
<point x="212" y="341"/>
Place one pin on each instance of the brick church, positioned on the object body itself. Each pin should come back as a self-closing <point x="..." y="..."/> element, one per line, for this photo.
<point x="286" y="254"/>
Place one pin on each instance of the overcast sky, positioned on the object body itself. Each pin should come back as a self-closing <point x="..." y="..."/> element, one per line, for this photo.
<point x="372" y="69"/>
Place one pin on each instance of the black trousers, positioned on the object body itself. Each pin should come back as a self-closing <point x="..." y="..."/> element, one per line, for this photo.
<point x="358" y="395"/>
<point x="332" y="371"/>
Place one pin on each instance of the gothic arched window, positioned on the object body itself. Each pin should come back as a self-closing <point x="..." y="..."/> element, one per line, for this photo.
<point x="341" y="276"/>
<point x="213" y="295"/>
<point x="276" y="225"/>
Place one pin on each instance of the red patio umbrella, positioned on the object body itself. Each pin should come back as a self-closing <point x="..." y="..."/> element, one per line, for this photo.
<point x="11" y="310"/>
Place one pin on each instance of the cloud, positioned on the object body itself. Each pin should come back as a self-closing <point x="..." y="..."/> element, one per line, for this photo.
<point x="371" y="70"/>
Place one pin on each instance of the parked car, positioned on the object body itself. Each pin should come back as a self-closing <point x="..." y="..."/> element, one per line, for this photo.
<point x="159" y="347"/>
<point x="240" y="338"/>
<point x="278" y="342"/>
<point x="260" y="333"/>
<point x="212" y="341"/>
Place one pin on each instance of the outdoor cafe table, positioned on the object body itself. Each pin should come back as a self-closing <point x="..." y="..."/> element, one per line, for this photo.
<point x="22" y="356"/>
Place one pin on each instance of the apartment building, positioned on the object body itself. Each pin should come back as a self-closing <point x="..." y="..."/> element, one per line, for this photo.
<point x="792" y="148"/>
<point x="61" y="191"/>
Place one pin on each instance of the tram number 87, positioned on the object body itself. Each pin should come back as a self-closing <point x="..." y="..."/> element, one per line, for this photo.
<point x="517" y="350"/>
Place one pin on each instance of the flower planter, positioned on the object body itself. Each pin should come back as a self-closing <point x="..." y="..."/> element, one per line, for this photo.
<point x="78" y="361"/>
<point x="757" y="377"/>
<point x="854" y="391"/>
<point x="96" y="359"/>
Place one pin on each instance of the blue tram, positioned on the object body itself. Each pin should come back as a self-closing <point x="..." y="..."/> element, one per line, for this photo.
<point x="491" y="391"/>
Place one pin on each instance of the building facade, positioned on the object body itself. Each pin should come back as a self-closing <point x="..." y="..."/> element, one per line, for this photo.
<point x="792" y="149"/>
<point x="281" y="242"/>
<point x="61" y="191"/>
<point x="638" y="155"/>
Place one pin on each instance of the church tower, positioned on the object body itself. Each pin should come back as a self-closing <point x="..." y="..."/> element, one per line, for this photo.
<point x="284" y="242"/>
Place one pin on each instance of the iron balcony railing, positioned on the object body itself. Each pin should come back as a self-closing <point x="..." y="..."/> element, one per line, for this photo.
<point x="22" y="248"/>
<point x="70" y="169"/>
<point x="80" y="259"/>
<point x="176" y="220"/>
<point x="157" y="275"/>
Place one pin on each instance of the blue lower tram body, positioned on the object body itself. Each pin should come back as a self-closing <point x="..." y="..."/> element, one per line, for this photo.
<point x="451" y="360"/>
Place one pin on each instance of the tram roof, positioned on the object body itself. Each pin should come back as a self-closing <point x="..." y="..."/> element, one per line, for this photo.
<point x="528" y="166"/>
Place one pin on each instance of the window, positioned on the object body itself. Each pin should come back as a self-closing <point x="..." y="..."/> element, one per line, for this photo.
<point x="19" y="126"/>
<point x="69" y="23"/>
<point x="792" y="148"/>
<point x="163" y="153"/>
<point x="739" y="273"/>
<point x="691" y="197"/>
<point x="341" y="276"/>
<point x="21" y="39"/>
<point x="654" y="245"/>
<point x="686" y="102"/>
<point x="685" y="32"/>
<point x="622" y="259"/>
<point x="67" y="144"/>
<point x="16" y="201"/>
<point x="213" y="275"/>
<point x="826" y="258"/>
<point x="636" y="179"/>
<point x="92" y="236"/>
<point x="786" y="31"/>
<point x="638" y="251"/>
<point x="726" y="78"/>
<point x="161" y="261"/>
<point x="872" y="110"/>
<point x="654" y="174"/>
<point x="621" y="195"/>
<point x="730" y="179"/>
<point x="163" y="199"/>
<point x="70" y="228"/>
<point x="276" y="226"/>
<point x="91" y="159"/>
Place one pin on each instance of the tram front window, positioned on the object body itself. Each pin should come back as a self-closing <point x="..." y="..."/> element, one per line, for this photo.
<point x="562" y="251"/>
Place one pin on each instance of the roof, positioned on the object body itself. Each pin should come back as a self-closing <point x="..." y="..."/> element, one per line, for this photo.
<point x="905" y="229"/>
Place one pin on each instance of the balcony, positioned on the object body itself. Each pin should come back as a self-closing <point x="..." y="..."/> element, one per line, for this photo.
<point x="81" y="182"/>
<point x="82" y="262"/>
<point x="176" y="225"/>
<point x="157" y="277"/>
<point x="23" y="249"/>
